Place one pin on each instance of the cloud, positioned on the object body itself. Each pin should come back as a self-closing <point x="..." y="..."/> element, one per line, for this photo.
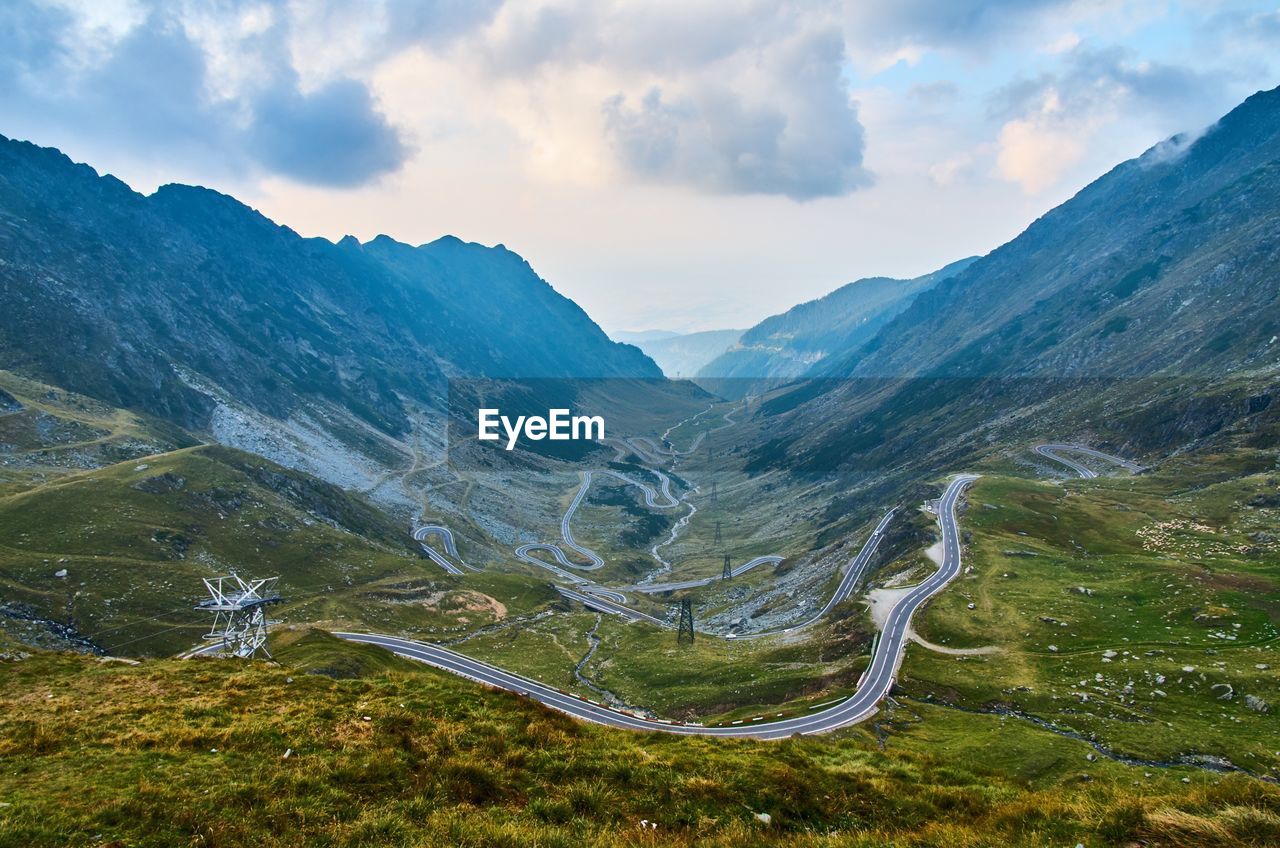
<point x="32" y="37"/>
<point x="1035" y="150"/>
<point x="150" y="94"/>
<point x="435" y="21"/>
<point x="952" y="170"/>
<point x="333" y="136"/>
<point x="949" y="24"/>
<point x="663" y="38"/>
<point x="786" y="127"/>
<point x="1047" y="122"/>
<point x="934" y="93"/>
<point x="1247" y="25"/>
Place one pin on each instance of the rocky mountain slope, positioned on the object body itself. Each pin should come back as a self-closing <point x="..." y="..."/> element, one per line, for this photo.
<point x="109" y="519"/>
<point x="1144" y="312"/>
<point x="789" y="345"/>
<point x="192" y="307"/>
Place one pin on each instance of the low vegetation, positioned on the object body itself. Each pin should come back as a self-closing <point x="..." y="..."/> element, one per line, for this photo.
<point x="1138" y="612"/>
<point x="348" y="746"/>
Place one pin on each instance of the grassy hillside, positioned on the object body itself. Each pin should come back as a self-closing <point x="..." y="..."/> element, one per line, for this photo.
<point x="46" y="433"/>
<point x="108" y="554"/>
<point x="224" y="753"/>
<point x="1140" y="612"/>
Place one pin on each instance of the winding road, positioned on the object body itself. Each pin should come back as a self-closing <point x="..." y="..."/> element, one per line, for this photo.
<point x="669" y="501"/>
<point x="872" y="688"/>
<point x="1055" y="452"/>
<point x="659" y="588"/>
<point x="852" y="575"/>
<point x="450" y="546"/>
<point x="603" y="599"/>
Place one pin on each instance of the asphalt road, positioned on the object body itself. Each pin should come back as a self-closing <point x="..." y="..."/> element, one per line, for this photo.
<point x="658" y="588"/>
<point x="651" y="499"/>
<point x="857" y="566"/>
<point x="523" y="554"/>
<point x="874" y="685"/>
<point x="435" y="556"/>
<point x="1055" y="452"/>
<point x="604" y="604"/>
<point x="851" y="576"/>
<point x="612" y="601"/>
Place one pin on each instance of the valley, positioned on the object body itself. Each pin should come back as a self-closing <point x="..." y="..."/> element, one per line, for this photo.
<point x="983" y="556"/>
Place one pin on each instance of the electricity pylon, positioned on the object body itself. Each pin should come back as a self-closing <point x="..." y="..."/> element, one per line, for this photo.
<point x="717" y="533"/>
<point x="684" y="635"/>
<point x="239" y="613"/>
<point x="728" y="571"/>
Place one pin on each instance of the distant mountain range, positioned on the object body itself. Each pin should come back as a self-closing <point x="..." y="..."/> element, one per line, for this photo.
<point x="134" y="289"/>
<point x="639" y="337"/>
<point x="783" y="347"/>
<point x="190" y="306"/>
<point x="682" y="355"/>
<point x="790" y="345"/>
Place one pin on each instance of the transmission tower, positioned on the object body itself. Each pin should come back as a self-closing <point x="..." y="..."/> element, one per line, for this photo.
<point x="685" y="634"/>
<point x="239" y="613"/>
<point x="728" y="570"/>
<point x="713" y="491"/>
<point x="717" y="532"/>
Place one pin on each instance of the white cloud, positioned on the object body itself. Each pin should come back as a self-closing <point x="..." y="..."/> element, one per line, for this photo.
<point x="1036" y="150"/>
<point x="778" y="121"/>
<point x="949" y="171"/>
<point x="1050" y="122"/>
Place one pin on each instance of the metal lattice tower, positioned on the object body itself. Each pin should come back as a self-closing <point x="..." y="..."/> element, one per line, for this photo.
<point x="239" y="613"/>
<point x="728" y="570"/>
<point x="685" y="634"/>
<point x="713" y="491"/>
<point x="717" y="533"/>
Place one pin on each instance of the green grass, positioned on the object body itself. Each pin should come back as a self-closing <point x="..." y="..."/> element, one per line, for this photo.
<point x="1099" y="593"/>
<point x="57" y="433"/>
<point x="645" y="667"/>
<point x="135" y="538"/>
<point x="682" y="437"/>
<point x="173" y="753"/>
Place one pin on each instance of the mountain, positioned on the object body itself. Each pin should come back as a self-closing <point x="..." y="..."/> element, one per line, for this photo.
<point x="136" y="300"/>
<point x="192" y="307"/>
<point x="789" y="345"/>
<point x="637" y="338"/>
<point x="685" y="355"/>
<point x="1144" y="313"/>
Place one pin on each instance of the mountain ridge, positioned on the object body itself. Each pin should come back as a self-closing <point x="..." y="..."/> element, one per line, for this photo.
<point x="1141" y="313"/>
<point x="189" y="277"/>
<point x="792" y="343"/>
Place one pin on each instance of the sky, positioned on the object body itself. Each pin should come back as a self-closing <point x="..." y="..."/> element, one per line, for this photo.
<point x="672" y="164"/>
